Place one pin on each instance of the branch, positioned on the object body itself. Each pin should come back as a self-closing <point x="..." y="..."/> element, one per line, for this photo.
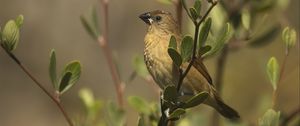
<point x="197" y="26"/>
<point x="282" y="69"/>
<point x="33" y="78"/>
<point x="178" y="5"/>
<point x="103" y="40"/>
<point x="291" y="116"/>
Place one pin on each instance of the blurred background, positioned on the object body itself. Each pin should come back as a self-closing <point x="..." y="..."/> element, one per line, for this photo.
<point x="56" y="25"/>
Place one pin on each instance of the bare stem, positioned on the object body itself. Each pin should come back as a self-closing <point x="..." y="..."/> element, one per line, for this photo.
<point x="33" y="78"/>
<point x="103" y="40"/>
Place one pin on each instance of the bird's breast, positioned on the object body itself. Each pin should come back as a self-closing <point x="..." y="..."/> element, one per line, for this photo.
<point x="157" y="60"/>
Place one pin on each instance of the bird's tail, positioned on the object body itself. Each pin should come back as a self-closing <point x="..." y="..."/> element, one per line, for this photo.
<point x="217" y="103"/>
<point x="225" y="110"/>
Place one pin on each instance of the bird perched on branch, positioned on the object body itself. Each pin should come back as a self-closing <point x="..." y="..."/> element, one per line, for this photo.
<point x="159" y="64"/>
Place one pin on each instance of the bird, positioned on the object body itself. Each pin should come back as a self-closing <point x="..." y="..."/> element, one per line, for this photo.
<point x="161" y="26"/>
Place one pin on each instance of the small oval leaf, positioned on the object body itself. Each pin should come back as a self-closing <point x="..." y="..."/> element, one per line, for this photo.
<point x="88" y="27"/>
<point x="19" y="20"/>
<point x="173" y="43"/>
<point x="52" y="69"/>
<point x="73" y="67"/>
<point x="196" y="100"/>
<point x="270" y="118"/>
<point x="170" y="93"/>
<point x="246" y="19"/>
<point x="204" y="50"/>
<point x="10" y="35"/>
<point x="194" y="14"/>
<point x="197" y="6"/>
<point x="221" y="40"/>
<point x="289" y="37"/>
<point x="175" y="56"/>
<point x="203" y="34"/>
<point x="273" y="71"/>
<point x="186" y="49"/>
<point x="65" y="81"/>
<point x="177" y="113"/>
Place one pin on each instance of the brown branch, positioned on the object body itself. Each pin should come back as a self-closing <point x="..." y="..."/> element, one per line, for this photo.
<point x="197" y="26"/>
<point x="282" y="69"/>
<point x="178" y="9"/>
<point x="103" y="40"/>
<point x="291" y="116"/>
<point x="33" y="78"/>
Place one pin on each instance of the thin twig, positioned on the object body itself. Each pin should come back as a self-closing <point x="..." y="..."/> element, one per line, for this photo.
<point x="197" y="26"/>
<point x="290" y="117"/>
<point x="282" y="69"/>
<point x="103" y="40"/>
<point x="33" y="78"/>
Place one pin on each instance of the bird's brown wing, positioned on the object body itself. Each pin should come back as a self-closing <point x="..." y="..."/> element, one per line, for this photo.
<point x="198" y="64"/>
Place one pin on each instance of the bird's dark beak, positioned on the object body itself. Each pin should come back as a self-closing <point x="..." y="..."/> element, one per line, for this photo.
<point x="146" y="17"/>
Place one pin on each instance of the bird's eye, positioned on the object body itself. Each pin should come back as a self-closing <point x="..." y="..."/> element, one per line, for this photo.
<point x="158" y="18"/>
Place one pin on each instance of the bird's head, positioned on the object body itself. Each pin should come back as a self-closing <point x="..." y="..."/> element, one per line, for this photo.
<point x="160" y="20"/>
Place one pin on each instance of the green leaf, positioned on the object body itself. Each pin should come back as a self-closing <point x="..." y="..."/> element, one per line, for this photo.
<point x="289" y="37"/>
<point x="139" y="104"/>
<point x="65" y="81"/>
<point x="175" y="56"/>
<point x="194" y="14"/>
<point x="92" y="105"/>
<point x="173" y="43"/>
<point x="197" y="6"/>
<point x="266" y="37"/>
<point x="87" y="97"/>
<point x="19" y="20"/>
<point x="273" y="71"/>
<point x="221" y="40"/>
<point x="186" y="49"/>
<point x="168" y="2"/>
<point x="10" y="35"/>
<point x="52" y="69"/>
<point x="74" y="68"/>
<point x="170" y="93"/>
<point x="140" y="66"/>
<point x="203" y="34"/>
<point x="88" y="27"/>
<point x="116" y="115"/>
<point x="177" y="113"/>
<point x="196" y="100"/>
<point x="270" y="118"/>
<point x="246" y="19"/>
<point x="204" y="50"/>
<point x="95" y="20"/>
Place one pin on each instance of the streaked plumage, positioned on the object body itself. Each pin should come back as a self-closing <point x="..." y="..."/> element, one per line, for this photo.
<point x="161" y="27"/>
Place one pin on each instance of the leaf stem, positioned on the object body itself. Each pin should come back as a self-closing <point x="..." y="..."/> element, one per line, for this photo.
<point x="103" y="40"/>
<point x="34" y="79"/>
